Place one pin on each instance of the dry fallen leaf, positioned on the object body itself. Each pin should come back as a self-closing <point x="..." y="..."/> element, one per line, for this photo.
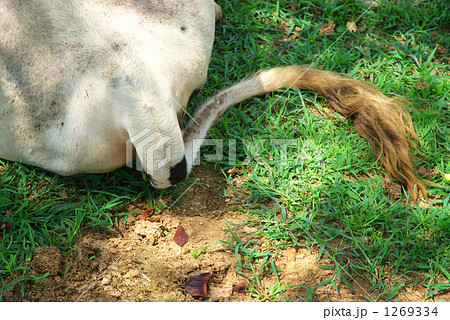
<point x="421" y="85"/>
<point x="5" y="226"/>
<point x="351" y="26"/>
<point x="181" y="238"/>
<point x="328" y="28"/>
<point x="371" y="3"/>
<point x="146" y="213"/>
<point x="155" y="218"/>
<point x="239" y="287"/>
<point x="196" y="285"/>
<point x="440" y="48"/>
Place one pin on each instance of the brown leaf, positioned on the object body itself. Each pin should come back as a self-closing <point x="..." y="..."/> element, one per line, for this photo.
<point x="371" y="3"/>
<point x="155" y="218"/>
<point x="196" y="285"/>
<point x="328" y="28"/>
<point x="181" y="238"/>
<point x="147" y="212"/>
<point x="427" y="173"/>
<point x="5" y="226"/>
<point x="351" y="26"/>
<point x="421" y="85"/>
<point x="239" y="287"/>
<point x="440" y="48"/>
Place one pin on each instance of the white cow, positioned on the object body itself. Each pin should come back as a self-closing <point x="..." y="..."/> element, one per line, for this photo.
<point x="80" y="78"/>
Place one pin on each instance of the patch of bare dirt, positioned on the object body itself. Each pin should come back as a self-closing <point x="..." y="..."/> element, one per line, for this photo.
<point x="147" y="265"/>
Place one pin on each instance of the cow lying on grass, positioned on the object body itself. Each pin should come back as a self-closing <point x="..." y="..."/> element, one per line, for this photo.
<point x="80" y="78"/>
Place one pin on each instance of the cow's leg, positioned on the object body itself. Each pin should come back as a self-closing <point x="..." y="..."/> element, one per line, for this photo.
<point x="218" y="12"/>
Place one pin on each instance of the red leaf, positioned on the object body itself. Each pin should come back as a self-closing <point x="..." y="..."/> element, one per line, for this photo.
<point x="181" y="237"/>
<point x="196" y="285"/>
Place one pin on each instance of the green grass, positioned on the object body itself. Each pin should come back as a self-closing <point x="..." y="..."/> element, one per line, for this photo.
<point x="311" y="201"/>
<point x="44" y="209"/>
<point x="303" y="197"/>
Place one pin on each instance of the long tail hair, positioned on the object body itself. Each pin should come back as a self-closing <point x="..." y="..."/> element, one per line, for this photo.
<point x="384" y="122"/>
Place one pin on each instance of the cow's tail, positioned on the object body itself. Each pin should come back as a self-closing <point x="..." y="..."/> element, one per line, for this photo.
<point x="381" y="120"/>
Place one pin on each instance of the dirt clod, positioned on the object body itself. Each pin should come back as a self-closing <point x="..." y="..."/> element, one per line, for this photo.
<point x="47" y="259"/>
